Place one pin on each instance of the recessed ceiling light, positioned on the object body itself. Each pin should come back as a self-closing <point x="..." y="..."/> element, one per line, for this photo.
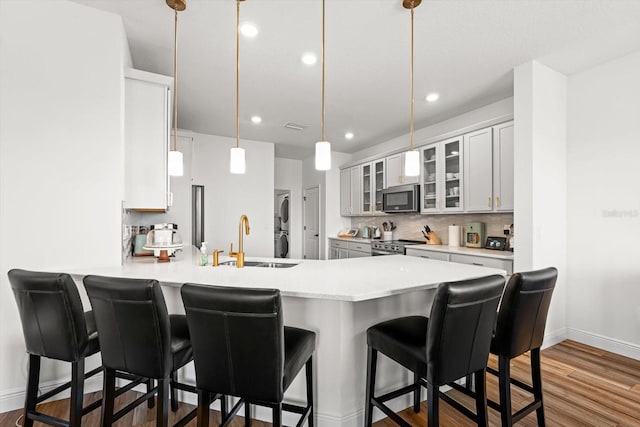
<point x="256" y="119"/>
<point x="349" y="135"/>
<point x="248" y="29"/>
<point x="309" y="58"/>
<point x="432" y="97"/>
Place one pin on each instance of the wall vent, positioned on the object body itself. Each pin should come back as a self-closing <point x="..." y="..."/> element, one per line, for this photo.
<point x="295" y="126"/>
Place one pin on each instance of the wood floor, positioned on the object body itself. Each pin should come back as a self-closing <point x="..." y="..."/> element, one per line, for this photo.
<point x="583" y="386"/>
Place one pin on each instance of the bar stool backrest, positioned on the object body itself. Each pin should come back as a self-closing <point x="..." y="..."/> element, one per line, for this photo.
<point x="523" y="312"/>
<point x="133" y="325"/>
<point x="460" y="327"/>
<point x="238" y="340"/>
<point x="51" y="313"/>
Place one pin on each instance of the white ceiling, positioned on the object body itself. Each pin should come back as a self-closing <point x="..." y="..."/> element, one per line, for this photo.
<point x="464" y="49"/>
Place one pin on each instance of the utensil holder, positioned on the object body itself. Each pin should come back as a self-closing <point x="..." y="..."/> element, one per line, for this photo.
<point x="387" y="236"/>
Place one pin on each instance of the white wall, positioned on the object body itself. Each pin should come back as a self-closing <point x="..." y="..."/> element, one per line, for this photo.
<point x="61" y="153"/>
<point x="540" y="159"/>
<point x="475" y="117"/>
<point x="604" y="205"/>
<point x="288" y="176"/>
<point x="228" y="196"/>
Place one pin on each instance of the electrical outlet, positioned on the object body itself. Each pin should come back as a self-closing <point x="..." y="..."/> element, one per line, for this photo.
<point x="506" y="229"/>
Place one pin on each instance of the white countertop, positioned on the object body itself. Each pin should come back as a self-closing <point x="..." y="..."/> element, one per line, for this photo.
<point x="356" y="279"/>
<point x="488" y="253"/>
<point x="354" y="239"/>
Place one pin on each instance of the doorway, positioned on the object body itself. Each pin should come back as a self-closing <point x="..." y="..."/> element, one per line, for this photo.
<point x="311" y="229"/>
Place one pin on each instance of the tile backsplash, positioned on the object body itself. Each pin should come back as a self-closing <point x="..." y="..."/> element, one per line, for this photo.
<point x="409" y="226"/>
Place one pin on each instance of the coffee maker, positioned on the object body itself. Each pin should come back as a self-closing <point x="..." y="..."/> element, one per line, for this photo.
<point x="474" y="235"/>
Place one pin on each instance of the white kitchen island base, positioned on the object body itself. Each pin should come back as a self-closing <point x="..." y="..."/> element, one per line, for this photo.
<point x="337" y="299"/>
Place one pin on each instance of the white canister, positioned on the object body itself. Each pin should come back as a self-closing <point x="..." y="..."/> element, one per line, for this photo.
<point x="454" y="235"/>
<point x="387" y="236"/>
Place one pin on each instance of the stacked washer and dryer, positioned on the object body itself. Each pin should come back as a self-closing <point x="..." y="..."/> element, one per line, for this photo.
<point x="281" y="227"/>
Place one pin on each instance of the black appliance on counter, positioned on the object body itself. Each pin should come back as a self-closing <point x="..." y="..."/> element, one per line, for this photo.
<point x="392" y="247"/>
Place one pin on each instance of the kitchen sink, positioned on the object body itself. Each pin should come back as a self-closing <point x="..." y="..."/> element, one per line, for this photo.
<point x="265" y="264"/>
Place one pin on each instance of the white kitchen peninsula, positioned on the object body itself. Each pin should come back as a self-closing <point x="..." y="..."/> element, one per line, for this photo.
<point x="338" y="299"/>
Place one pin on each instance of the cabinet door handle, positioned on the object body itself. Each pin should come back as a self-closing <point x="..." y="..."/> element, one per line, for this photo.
<point x="477" y="263"/>
<point x="489" y="201"/>
<point x="497" y="201"/>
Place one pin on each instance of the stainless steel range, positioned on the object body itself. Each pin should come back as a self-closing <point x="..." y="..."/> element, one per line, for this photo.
<point x="392" y="247"/>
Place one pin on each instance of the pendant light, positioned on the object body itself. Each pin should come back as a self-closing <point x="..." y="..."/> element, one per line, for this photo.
<point x="175" y="160"/>
<point x="411" y="157"/>
<point x="237" y="164"/>
<point x="323" y="147"/>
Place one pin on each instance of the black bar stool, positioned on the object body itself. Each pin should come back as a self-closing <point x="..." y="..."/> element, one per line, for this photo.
<point x="138" y="337"/>
<point x="241" y="348"/>
<point x="520" y="328"/>
<point x="452" y="343"/>
<point x="56" y="327"/>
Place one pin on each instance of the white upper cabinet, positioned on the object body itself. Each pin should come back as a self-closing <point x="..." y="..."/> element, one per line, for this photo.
<point x="147" y="124"/>
<point x="488" y="169"/>
<point x="350" y="191"/>
<point x="442" y="176"/>
<point x="373" y="175"/>
<point x="478" y="167"/>
<point x="395" y="172"/>
<point x="503" y="166"/>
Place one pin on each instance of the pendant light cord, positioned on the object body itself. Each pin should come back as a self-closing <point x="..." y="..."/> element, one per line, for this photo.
<point x="411" y="126"/>
<point x="323" y="106"/>
<point x="237" y="73"/>
<point x="175" y="81"/>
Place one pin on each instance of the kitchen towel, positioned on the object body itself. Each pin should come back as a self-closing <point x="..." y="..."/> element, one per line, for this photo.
<point x="454" y="235"/>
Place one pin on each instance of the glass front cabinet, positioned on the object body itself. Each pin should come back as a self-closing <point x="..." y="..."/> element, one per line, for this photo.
<point x="373" y="176"/>
<point x="442" y="170"/>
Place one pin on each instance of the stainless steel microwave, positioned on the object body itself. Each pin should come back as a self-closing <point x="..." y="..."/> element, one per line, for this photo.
<point x="401" y="198"/>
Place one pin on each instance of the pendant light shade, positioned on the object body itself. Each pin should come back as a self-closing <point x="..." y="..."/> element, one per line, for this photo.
<point x="411" y="157"/>
<point x="412" y="163"/>
<point x="323" y="147"/>
<point x="323" y="155"/>
<point x="175" y="161"/>
<point x="237" y="163"/>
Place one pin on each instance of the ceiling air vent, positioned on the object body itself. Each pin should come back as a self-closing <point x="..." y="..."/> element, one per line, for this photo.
<point x="295" y="126"/>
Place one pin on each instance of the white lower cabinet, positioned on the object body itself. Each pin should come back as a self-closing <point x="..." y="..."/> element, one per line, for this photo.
<point x="440" y="256"/>
<point x="484" y="261"/>
<point x="339" y="249"/>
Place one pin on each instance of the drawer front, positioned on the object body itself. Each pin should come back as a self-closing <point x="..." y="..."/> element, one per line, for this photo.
<point x="360" y="247"/>
<point x="339" y="244"/>
<point x="440" y="256"/>
<point x="358" y="254"/>
<point x="484" y="262"/>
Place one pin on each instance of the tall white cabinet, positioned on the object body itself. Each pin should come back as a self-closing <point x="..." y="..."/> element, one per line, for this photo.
<point x="147" y="127"/>
<point x="350" y="191"/>
<point x="488" y="166"/>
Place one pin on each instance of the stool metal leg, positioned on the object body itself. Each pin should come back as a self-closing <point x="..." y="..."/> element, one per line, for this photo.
<point x="174" y="395"/>
<point x="536" y="380"/>
<point x="277" y="415"/>
<point x="203" y="408"/>
<point x="481" y="397"/>
<point x="309" y="373"/>
<point x="151" y="402"/>
<point x="32" y="389"/>
<point x="416" y="394"/>
<point x="162" y="415"/>
<point x="77" y="393"/>
<point x="108" y="398"/>
<point x="372" y="358"/>
<point x="504" y="385"/>
<point x="247" y="414"/>
<point x="433" y="403"/>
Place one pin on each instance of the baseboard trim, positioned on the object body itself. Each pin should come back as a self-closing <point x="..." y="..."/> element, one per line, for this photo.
<point x="554" y="337"/>
<point x="605" y="343"/>
<point x="13" y="399"/>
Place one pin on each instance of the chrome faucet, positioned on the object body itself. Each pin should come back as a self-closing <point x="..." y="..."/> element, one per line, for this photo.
<point x="240" y="254"/>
